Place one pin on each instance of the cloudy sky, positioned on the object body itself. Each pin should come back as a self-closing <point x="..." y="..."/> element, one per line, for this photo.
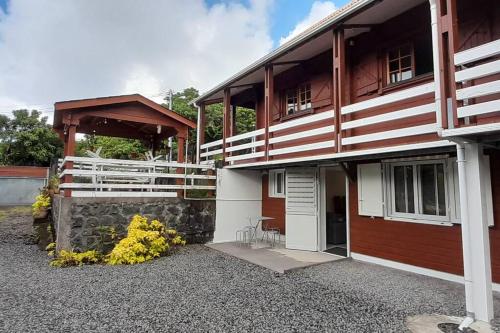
<point x="52" y="50"/>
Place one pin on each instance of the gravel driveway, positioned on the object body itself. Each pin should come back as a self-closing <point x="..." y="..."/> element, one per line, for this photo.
<point x="201" y="290"/>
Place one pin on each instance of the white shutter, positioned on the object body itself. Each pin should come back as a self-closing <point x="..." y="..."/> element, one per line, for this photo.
<point x="301" y="198"/>
<point x="301" y="209"/>
<point x="370" y="194"/>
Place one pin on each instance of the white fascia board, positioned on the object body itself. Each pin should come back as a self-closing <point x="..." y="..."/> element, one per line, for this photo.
<point x="485" y="128"/>
<point x="356" y="153"/>
<point x="126" y="194"/>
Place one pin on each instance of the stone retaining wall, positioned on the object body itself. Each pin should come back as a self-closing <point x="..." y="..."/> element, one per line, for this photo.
<point x="79" y="221"/>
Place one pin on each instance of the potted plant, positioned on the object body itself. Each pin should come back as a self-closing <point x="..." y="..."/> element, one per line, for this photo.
<point x="53" y="185"/>
<point x="41" y="205"/>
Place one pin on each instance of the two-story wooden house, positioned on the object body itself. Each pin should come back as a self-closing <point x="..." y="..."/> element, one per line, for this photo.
<point x="376" y="137"/>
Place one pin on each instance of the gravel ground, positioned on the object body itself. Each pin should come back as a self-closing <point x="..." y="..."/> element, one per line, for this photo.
<point x="201" y="290"/>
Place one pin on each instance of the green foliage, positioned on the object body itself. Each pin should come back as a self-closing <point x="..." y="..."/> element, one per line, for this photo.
<point x="112" y="147"/>
<point x="70" y="258"/>
<point x="54" y="183"/>
<point x="181" y="104"/>
<point x="145" y="241"/>
<point x="27" y="139"/>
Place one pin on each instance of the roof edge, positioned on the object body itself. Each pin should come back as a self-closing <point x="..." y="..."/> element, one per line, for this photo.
<point x="316" y="28"/>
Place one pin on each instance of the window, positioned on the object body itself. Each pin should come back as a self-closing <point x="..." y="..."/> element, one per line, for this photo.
<point x="400" y="64"/>
<point x="277" y="183"/>
<point x="298" y="99"/>
<point x="418" y="190"/>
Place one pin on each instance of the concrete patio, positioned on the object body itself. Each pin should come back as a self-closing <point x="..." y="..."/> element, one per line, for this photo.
<point x="277" y="259"/>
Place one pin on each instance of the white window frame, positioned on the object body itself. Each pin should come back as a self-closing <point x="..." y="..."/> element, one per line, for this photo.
<point x="390" y="214"/>
<point x="273" y="185"/>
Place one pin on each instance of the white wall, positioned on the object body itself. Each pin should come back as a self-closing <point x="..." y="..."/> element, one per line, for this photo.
<point x="239" y="196"/>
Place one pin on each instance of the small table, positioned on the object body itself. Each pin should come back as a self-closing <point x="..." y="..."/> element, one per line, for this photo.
<point x="253" y="227"/>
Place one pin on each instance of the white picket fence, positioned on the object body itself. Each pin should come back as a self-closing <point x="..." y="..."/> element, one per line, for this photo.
<point x="102" y="177"/>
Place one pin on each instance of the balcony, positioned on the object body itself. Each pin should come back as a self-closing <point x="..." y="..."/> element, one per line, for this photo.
<point x="403" y="117"/>
<point x="477" y="90"/>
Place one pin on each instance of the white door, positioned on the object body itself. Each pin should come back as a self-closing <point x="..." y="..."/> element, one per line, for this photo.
<point x="302" y="209"/>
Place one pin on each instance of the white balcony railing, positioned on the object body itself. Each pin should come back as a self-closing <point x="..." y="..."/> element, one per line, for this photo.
<point x="489" y="64"/>
<point x="389" y="116"/>
<point x="244" y="146"/>
<point x="210" y="151"/>
<point x="101" y="177"/>
<point x="293" y="140"/>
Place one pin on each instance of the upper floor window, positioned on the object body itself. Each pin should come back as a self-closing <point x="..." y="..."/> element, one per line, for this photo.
<point x="400" y="64"/>
<point x="298" y="99"/>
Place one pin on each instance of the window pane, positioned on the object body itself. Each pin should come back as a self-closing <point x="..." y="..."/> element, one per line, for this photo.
<point x="399" y="189"/>
<point x="405" y="62"/>
<point x="440" y="190"/>
<point x="428" y="181"/>
<point x="279" y="183"/>
<point x="409" y="189"/>
<point x="393" y="65"/>
<point x="406" y="75"/>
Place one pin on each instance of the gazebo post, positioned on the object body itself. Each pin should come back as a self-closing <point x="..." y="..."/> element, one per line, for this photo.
<point x="181" y="140"/>
<point x="69" y="150"/>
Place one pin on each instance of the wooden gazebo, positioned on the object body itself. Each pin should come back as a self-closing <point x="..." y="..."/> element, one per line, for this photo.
<point x="127" y="116"/>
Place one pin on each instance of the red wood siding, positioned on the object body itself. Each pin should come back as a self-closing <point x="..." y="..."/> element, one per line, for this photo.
<point x="23" y="171"/>
<point x="429" y="246"/>
<point x="273" y="207"/>
<point x="495" y="230"/>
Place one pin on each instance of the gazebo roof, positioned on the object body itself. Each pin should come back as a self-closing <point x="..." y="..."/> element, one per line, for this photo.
<point x="128" y="116"/>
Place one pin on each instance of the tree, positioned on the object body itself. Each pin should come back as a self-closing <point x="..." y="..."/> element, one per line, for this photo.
<point x="27" y="139"/>
<point x="181" y="104"/>
<point x="112" y="147"/>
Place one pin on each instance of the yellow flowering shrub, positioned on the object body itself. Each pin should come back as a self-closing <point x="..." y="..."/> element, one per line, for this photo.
<point x="145" y="241"/>
<point x="41" y="201"/>
<point x="70" y="258"/>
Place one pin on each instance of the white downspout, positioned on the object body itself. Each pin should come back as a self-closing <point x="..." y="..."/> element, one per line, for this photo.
<point x="198" y="126"/>
<point x="466" y="244"/>
<point x="435" y="59"/>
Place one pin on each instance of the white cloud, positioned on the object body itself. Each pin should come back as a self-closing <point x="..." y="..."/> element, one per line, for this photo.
<point x="59" y="50"/>
<point x="319" y="10"/>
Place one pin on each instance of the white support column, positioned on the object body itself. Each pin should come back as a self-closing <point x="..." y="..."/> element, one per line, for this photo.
<point x="198" y="127"/>
<point x="475" y="233"/>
